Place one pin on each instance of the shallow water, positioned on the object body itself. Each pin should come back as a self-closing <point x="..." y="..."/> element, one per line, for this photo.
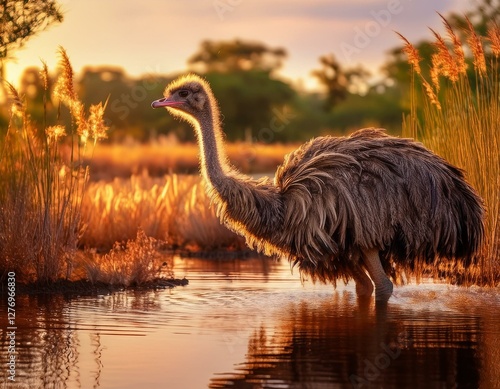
<point x="252" y="324"/>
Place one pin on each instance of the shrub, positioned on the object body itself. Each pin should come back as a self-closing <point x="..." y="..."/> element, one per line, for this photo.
<point x="133" y="263"/>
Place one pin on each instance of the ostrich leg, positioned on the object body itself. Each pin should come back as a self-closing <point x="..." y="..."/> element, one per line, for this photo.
<point x="383" y="286"/>
<point x="364" y="285"/>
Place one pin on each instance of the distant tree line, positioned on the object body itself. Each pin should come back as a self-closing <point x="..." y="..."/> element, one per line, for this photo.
<point x="256" y="104"/>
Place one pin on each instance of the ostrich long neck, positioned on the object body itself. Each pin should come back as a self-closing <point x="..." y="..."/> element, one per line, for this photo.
<point x="213" y="159"/>
<point x="250" y="207"/>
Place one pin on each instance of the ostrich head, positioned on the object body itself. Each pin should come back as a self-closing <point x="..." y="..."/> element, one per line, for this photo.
<point x="188" y="97"/>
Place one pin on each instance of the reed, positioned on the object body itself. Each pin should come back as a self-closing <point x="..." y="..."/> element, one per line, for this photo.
<point x="42" y="183"/>
<point x="458" y="118"/>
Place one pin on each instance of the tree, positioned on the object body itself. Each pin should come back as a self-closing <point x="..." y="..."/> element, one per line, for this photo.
<point x="21" y="19"/>
<point x="337" y="81"/>
<point x="253" y="104"/>
<point x="236" y="55"/>
<point x="242" y="77"/>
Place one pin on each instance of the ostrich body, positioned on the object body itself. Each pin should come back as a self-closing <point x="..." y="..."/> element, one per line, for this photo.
<point x="338" y="206"/>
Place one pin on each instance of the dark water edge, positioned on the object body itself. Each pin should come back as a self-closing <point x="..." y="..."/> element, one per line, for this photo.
<point x="251" y="324"/>
<point x="87" y="288"/>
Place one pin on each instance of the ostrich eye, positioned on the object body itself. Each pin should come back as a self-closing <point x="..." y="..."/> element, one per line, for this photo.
<point x="183" y="93"/>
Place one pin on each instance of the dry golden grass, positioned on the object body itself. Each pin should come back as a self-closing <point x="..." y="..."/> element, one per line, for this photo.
<point x="461" y="123"/>
<point x="43" y="185"/>
<point x="134" y="262"/>
<point x="174" y="208"/>
<point x="160" y="158"/>
<point x="41" y="192"/>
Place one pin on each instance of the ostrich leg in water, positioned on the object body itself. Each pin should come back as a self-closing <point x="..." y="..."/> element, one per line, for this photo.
<point x="364" y="285"/>
<point x="383" y="286"/>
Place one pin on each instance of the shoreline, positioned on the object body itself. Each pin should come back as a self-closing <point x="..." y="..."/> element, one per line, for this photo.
<point x="83" y="287"/>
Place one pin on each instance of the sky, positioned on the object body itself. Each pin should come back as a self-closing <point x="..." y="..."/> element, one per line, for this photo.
<point x="158" y="36"/>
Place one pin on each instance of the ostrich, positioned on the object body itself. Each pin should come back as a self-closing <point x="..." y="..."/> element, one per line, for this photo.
<point x="339" y="206"/>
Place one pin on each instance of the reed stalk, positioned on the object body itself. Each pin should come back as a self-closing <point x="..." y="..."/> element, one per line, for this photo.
<point x="42" y="183"/>
<point x="460" y="120"/>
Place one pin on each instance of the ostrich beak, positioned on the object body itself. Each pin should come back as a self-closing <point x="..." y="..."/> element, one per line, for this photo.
<point x="165" y="102"/>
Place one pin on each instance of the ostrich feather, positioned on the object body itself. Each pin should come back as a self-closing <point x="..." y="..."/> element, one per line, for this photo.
<point x="338" y="200"/>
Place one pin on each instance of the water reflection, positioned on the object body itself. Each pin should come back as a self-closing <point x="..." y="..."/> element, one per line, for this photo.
<point x="51" y="335"/>
<point x="338" y="343"/>
<point x="51" y="348"/>
<point x="250" y="324"/>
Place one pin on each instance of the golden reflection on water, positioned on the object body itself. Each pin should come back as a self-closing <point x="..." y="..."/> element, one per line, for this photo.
<point x="339" y="344"/>
<point x="251" y="324"/>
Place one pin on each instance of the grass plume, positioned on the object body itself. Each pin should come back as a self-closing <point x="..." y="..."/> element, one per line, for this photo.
<point x="443" y="62"/>
<point x="461" y="124"/>
<point x="91" y="127"/>
<point x="412" y="54"/>
<point x="458" y="50"/>
<point x="494" y="38"/>
<point x="42" y="191"/>
<point x="476" y="46"/>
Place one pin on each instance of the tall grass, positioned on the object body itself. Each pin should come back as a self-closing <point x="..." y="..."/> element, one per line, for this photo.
<point x="163" y="156"/>
<point x="41" y="191"/>
<point x="174" y="209"/>
<point x="458" y="117"/>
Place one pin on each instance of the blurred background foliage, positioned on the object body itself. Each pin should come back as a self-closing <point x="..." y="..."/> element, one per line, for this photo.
<point x="22" y="19"/>
<point x="245" y="78"/>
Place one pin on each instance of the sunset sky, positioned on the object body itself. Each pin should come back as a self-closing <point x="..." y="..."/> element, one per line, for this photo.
<point x="158" y="36"/>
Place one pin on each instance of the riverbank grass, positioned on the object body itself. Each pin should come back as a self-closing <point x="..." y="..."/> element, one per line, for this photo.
<point x="457" y="115"/>
<point x="44" y="182"/>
